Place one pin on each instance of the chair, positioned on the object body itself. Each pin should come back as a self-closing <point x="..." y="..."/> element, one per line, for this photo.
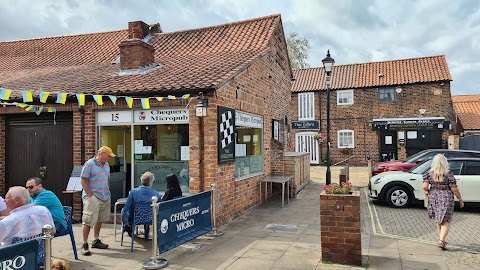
<point x="41" y="246"/>
<point x="67" y="210"/>
<point x="141" y="215"/>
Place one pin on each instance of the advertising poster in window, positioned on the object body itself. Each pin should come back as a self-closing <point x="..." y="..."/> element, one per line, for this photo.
<point x="226" y="134"/>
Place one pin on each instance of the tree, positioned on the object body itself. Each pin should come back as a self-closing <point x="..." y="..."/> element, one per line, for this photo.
<point x="297" y="50"/>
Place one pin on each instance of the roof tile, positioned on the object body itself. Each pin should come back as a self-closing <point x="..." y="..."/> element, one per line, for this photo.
<point x="395" y="72"/>
<point x="467" y="108"/>
<point x="190" y="59"/>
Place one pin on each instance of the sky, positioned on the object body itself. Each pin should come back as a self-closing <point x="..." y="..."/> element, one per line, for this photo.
<point x="355" y="31"/>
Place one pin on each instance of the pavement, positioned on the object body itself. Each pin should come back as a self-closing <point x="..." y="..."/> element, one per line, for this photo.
<point x="271" y="237"/>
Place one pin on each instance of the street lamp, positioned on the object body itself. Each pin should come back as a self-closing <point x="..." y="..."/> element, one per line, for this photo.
<point x="328" y="65"/>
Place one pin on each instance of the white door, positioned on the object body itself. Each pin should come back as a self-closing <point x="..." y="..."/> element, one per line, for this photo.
<point x="304" y="142"/>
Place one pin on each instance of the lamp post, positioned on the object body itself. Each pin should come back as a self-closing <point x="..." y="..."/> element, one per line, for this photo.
<point x="328" y="65"/>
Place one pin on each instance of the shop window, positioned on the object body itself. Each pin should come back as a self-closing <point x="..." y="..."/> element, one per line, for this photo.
<point x="162" y="149"/>
<point x="345" y="139"/>
<point x="306" y="106"/>
<point x="345" y="97"/>
<point x="248" y="145"/>
<point x="386" y="94"/>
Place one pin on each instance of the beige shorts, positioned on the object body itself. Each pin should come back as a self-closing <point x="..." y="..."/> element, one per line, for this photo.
<point x="95" y="210"/>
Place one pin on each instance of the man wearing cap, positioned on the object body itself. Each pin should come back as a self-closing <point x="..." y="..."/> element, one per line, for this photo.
<point x="96" y="197"/>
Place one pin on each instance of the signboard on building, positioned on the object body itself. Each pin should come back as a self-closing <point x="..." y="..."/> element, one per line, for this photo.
<point x="306" y="125"/>
<point x="409" y="123"/>
<point x="226" y="134"/>
<point x="161" y="116"/>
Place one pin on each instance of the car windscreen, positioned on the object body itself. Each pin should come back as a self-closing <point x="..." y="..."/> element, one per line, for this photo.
<point x="422" y="168"/>
<point x="414" y="157"/>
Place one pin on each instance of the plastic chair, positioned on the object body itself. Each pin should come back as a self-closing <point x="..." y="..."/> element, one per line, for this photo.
<point x="67" y="210"/>
<point x="141" y="215"/>
<point x="41" y="246"/>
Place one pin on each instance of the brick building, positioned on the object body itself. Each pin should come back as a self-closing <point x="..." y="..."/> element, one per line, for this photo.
<point x="150" y="83"/>
<point x="379" y="110"/>
<point x="467" y="110"/>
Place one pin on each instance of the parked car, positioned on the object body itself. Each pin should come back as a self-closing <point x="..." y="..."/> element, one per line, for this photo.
<point x="401" y="189"/>
<point x="414" y="160"/>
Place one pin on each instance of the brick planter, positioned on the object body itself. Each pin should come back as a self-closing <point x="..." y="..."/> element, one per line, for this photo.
<point x="340" y="228"/>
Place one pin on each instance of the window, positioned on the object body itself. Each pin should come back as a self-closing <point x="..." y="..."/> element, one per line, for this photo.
<point x="345" y="139"/>
<point x="345" y="97"/>
<point x="248" y="145"/>
<point x="306" y="106"/>
<point x="473" y="168"/>
<point x="386" y="94"/>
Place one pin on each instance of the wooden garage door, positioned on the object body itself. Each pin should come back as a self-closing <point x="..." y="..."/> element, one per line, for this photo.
<point x="39" y="141"/>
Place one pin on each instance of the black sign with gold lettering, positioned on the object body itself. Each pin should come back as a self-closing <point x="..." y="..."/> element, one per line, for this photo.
<point x="226" y="134"/>
<point x="399" y="124"/>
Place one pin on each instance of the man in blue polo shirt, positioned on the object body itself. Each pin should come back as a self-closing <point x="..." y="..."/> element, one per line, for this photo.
<point x="41" y="196"/>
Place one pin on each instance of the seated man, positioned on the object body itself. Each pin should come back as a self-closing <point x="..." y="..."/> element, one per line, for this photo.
<point x="141" y="194"/>
<point x="43" y="197"/>
<point x="25" y="220"/>
<point x="3" y="208"/>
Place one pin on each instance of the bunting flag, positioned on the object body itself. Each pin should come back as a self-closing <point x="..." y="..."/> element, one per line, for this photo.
<point x="145" y="103"/>
<point x="5" y="94"/>
<point x="113" y="99"/>
<point x="185" y="96"/>
<point x="159" y="98"/>
<point x="31" y="107"/>
<point x="98" y="99"/>
<point x="61" y="98"/>
<point x="21" y="105"/>
<point x="51" y="109"/>
<point x="39" y="111"/>
<point x="81" y="99"/>
<point x="171" y="97"/>
<point x="44" y="96"/>
<point x="27" y="96"/>
<point x="129" y="101"/>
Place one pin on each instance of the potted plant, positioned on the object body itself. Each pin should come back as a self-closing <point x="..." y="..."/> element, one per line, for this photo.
<point x="346" y="151"/>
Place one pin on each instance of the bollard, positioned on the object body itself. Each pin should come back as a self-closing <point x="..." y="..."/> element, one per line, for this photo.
<point x="214" y="231"/>
<point x="155" y="262"/>
<point x="47" y="238"/>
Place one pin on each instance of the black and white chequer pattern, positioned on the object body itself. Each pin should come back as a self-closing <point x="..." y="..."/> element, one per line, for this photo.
<point x="226" y="128"/>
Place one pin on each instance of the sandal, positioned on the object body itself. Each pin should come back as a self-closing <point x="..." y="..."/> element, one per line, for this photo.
<point x="441" y="244"/>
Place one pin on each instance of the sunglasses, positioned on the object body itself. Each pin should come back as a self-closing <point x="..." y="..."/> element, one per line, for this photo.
<point x="31" y="187"/>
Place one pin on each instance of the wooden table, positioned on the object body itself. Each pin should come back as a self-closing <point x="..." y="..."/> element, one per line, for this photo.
<point x="280" y="179"/>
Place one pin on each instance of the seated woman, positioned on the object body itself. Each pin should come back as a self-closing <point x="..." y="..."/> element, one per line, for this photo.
<point x="141" y="194"/>
<point x="173" y="188"/>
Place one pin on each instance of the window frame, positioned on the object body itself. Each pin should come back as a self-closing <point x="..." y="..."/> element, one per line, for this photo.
<point x="394" y="94"/>
<point x="339" y="132"/>
<point x="350" y="100"/>
<point x="305" y="100"/>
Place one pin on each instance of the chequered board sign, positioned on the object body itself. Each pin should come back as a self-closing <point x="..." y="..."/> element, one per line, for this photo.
<point x="226" y="128"/>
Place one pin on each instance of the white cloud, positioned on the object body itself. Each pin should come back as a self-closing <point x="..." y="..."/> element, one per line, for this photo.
<point x="355" y="31"/>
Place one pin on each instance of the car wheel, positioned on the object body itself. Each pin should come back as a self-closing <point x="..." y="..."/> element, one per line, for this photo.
<point x="399" y="197"/>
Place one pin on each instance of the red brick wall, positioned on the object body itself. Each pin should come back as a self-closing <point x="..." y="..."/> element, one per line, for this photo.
<point x="366" y="107"/>
<point x="340" y="228"/>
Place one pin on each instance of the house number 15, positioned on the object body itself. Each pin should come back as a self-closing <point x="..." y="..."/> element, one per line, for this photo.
<point x="115" y="117"/>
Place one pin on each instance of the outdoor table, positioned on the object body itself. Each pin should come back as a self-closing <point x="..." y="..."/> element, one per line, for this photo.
<point x="280" y="179"/>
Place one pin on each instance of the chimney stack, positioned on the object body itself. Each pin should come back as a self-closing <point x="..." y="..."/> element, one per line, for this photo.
<point x="134" y="52"/>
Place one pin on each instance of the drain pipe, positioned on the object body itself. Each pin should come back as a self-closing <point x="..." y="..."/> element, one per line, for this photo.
<point x="82" y="127"/>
